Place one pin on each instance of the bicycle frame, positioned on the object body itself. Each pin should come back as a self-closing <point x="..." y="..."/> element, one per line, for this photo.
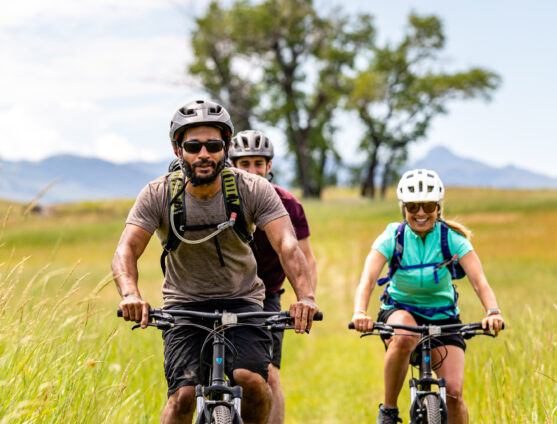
<point x="423" y="386"/>
<point x="219" y="392"/>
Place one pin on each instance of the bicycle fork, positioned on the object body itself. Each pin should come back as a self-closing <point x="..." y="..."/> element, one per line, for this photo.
<point x="422" y="386"/>
<point x="218" y="385"/>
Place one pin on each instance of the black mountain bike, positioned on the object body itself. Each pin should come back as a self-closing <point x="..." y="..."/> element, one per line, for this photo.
<point x="427" y="404"/>
<point x="219" y="402"/>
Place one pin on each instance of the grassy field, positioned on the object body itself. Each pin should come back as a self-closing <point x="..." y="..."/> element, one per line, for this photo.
<point x="66" y="358"/>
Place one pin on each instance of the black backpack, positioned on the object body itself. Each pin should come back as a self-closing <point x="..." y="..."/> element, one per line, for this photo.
<point x="177" y="211"/>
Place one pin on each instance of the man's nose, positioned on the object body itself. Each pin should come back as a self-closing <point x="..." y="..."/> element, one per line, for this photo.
<point x="203" y="152"/>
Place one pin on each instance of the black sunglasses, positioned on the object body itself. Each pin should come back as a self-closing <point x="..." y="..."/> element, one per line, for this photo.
<point x="414" y="207"/>
<point x="195" y="146"/>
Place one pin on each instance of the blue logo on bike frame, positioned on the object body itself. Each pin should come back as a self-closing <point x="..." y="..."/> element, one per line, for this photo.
<point x="426" y="358"/>
<point x="219" y="361"/>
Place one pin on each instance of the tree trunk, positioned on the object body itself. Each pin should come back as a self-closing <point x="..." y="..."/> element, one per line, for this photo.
<point x="385" y="177"/>
<point x="368" y="184"/>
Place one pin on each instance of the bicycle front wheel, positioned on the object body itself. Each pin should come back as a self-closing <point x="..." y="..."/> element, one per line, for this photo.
<point x="221" y="415"/>
<point x="432" y="408"/>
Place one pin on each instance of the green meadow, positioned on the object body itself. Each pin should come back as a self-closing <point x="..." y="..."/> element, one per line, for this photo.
<point x="66" y="358"/>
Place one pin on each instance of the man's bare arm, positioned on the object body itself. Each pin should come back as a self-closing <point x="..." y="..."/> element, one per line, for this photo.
<point x="283" y="239"/>
<point x="308" y="253"/>
<point x="132" y="243"/>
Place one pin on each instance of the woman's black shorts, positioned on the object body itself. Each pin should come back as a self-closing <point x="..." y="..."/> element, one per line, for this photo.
<point x="451" y="340"/>
<point x="182" y="346"/>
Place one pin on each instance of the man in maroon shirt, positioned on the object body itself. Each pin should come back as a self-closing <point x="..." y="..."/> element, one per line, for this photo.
<point x="253" y="152"/>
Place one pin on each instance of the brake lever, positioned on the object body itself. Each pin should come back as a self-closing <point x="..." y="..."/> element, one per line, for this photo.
<point x="378" y="333"/>
<point x="476" y="333"/>
<point x="281" y="327"/>
<point x="161" y="325"/>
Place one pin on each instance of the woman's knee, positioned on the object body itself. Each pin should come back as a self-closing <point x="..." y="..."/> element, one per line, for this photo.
<point x="404" y="344"/>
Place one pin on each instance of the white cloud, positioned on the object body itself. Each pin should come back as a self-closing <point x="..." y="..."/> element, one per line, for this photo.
<point x="115" y="148"/>
<point x="16" y="13"/>
<point x="26" y="136"/>
<point x="86" y="88"/>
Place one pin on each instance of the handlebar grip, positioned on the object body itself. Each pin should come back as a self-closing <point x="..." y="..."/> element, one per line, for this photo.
<point x="318" y="316"/>
<point x="119" y="313"/>
<point x="351" y="326"/>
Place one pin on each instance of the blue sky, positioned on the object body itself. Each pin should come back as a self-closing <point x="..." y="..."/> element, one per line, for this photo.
<point x="103" y="77"/>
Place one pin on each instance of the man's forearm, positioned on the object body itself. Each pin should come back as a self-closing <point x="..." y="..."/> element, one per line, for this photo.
<point x="297" y="271"/>
<point x="124" y="270"/>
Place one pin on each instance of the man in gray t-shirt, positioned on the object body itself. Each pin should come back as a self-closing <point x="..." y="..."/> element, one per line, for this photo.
<point x="219" y="271"/>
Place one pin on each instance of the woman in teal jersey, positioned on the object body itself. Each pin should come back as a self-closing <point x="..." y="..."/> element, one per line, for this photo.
<point x="420" y="295"/>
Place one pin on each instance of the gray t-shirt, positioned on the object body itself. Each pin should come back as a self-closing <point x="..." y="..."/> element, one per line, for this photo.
<point x="194" y="272"/>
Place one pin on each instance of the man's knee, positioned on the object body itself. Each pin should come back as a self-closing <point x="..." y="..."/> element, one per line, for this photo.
<point x="248" y="379"/>
<point x="182" y="401"/>
<point x="274" y="376"/>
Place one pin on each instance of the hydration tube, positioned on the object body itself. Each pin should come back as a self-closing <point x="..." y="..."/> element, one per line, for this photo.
<point x="220" y="227"/>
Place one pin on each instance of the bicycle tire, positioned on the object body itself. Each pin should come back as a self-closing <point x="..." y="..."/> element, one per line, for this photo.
<point x="432" y="408"/>
<point x="221" y="415"/>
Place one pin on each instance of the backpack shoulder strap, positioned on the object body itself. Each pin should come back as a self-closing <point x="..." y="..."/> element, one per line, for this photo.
<point x="233" y="204"/>
<point x="176" y="213"/>
<point x="397" y="255"/>
<point x="457" y="272"/>
<point x="445" y="241"/>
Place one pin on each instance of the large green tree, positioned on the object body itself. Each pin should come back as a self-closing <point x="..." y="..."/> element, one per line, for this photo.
<point x="402" y="90"/>
<point x="298" y="56"/>
<point x="216" y="60"/>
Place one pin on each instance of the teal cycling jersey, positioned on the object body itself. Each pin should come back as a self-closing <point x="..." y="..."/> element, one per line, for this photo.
<point x="417" y="287"/>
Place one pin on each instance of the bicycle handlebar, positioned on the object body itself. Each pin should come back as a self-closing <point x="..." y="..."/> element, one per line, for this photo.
<point x="218" y="315"/>
<point x="432" y="330"/>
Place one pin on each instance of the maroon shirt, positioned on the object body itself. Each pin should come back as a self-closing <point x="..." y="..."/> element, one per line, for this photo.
<point x="269" y="268"/>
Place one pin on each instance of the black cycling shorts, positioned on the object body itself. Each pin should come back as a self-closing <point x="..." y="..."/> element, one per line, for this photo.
<point x="451" y="340"/>
<point x="272" y="304"/>
<point x="182" y="346"/>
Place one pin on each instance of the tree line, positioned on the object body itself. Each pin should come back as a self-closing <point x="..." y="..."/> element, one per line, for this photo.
<point x="286" y="64"/>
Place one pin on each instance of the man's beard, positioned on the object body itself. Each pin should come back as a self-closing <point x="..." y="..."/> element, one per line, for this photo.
<point x="197" y="180"/>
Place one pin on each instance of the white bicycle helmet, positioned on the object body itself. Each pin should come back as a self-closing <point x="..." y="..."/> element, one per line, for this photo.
<point x="250" y="143"/>
<point x="420" y="185"/>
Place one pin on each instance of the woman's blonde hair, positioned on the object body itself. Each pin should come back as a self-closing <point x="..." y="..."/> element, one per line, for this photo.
<point x="453" y="225"/>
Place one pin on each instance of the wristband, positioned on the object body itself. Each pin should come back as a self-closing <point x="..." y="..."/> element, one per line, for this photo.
<point x="361" y="310"/>
<point x="493" y="311"/>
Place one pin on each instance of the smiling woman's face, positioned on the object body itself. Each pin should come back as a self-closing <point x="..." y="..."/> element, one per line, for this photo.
<point x="419" y="220"/>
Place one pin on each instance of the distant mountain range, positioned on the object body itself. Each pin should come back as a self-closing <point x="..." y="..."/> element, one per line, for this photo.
<point x="458" y="171"/>
<point x="80" y="178"/>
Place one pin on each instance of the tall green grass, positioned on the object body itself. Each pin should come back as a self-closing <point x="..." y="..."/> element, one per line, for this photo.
<point x="65" y="357"/>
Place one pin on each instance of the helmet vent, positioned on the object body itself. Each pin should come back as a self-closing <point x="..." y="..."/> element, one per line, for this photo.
<point x="246" y="142"/>
<point x="214" y="110"/>
<point x="410" y="189"/>
<point x="187" y="112"/>
<point x="257" y="142"/>
<point x="430" y="189"/>
<point x="420" y="186"/>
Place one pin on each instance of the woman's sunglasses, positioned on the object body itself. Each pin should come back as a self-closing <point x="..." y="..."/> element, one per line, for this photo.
<point x="414" y="207"/>
<point x="195" y="146"/>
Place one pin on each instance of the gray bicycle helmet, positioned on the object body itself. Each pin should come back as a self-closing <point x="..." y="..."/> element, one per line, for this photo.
<point x="250" y="143"/>
<point x="200" y="112"/>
